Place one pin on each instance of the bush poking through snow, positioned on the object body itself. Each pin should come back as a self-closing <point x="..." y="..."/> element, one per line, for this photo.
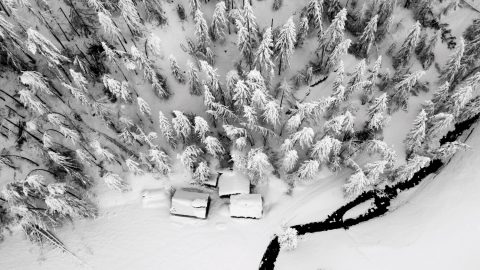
<point x="288" y="239"/>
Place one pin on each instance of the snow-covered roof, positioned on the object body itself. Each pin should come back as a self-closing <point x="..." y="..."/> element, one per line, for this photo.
<point x="246" y="205"/>
<point x="231" y="183"/>
<point x="189" y="203"/>
<point x="212" y="181"/>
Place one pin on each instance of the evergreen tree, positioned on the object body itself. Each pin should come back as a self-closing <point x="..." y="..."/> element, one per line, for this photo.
<point x="201" y="30"/>
<point x="333" y="35"/>
<point x="250" y="22"/>
<point x="161" y="160"/>
<point x="190" y="156"/>
<point x="194" y="6"/>
<point x="219" y="21"/>
<point x="377" y="113"/>
<point x="453" y="65"/>
<point x="323" y="149"/>
<point x="302" y="32"/>
<point x="367" y="38"/>
<point x="258" y="165"/>
<point x="438" y="125"/>
<point x="244" y="42"/>
<point x="176" y="71"/>
<point x="263" y="56"/>
<point x="416" y="135"/>
<point x="447" y="150"/>
<point x="143" y="107"/>
<point x="357" y="81"/>
<point x="202" y="173"/>
<point x="194" y="84"/>
<point x="271" y="113"/>
<point x="166" y="129"/>
<point x="356" y="184"/>
<point x="425" y="49"/>
<point x="200" y="126"/>
<point x="213" y="146"/>
<point x="36" y="42"/>
<point x="241" y="94"/>
<point x="372" y="78"/>
<point x="458" y="100"/>
<point x="285" y="44"/>
<point x="304" y="137"/>
<point x="408" y="47"/>
<point x="308" y="169"/>
<point x="339" y="50"/>
<point x="414" y="164"/>
<point x="440" y="97"/>
<point x="314" y="14"/>
<point x="374" y="169"/>
<point x="289" y="160"/>
<point x="181" y="124"/>
<point x="471" y="109"/>
<point x="109" y="27"/>
<point x="401" y="91"/>
<point x="131" y="17"/>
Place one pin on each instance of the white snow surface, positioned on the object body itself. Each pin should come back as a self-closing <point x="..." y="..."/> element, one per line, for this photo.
<point x="246" y="205"/>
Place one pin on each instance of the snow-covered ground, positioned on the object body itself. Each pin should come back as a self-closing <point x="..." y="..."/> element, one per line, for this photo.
<point x="437" y="226"/>
<point x="434" y="227"/>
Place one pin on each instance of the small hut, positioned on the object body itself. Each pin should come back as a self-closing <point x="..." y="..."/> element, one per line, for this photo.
<point x="246" y="206"/>
<point x="213" y="181"/>
<point x="231" y="183"/>
<point x="190" y="204"/>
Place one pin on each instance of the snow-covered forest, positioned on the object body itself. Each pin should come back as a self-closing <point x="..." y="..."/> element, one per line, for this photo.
<point x="107" y="104"/>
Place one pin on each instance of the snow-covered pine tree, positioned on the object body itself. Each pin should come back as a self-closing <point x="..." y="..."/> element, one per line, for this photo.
<point x="201" y="30"/>
<point x="453" y="65"/>
<point x="424" y="50"/>
<point x="189" y="156"/>
<point x="219" y="22"/>
<point x="134" y="167"/>
<point x="302" y="32"/>
<point x="213" y="146"/>
<point x="401" y="91"/>
<point x="202" y="173"/>
<point x="250" y="22"/>
<point x="471" y="109"/>
<point x="108" y="26"/>
<point x="285" y="44"/>
<point x="440" y="97"/>
<point x="29" y="101"/>
<point x="323" y="149"/>
<point x="154" y="44"/>
<point x="367" y="38"/>
<point x="166" y="129"/>
<point x="35" y="81"/>
<point x="36" y="42"/>
<point x="372" y="78"/>
<point x="244" y="42"/>
<point x="242" y="94"/>
<point x="258" y="165"/>
<point x="332" y="36"/>
<point x="304" y="137"/>
<point x="357" y="81"/>
<point x="414" y="164"/>
<point x="314" y="12"/>
<point x="263" y="55"/>
<point x="114" y="181"/>
<point x="201" y="126"/>
<point x="356" y="184"/>
<point x="373" y="170"/>
<point x="438" y="125"/>
<point x="194" y="84"/>
<point x="285" y="89"/>
<point x="194" y="6"/>
<point x="339" y="50"/>
<point x="131" y="16"/>
<point x="416" y="135"/>
<point x="176" y="71"/>
<point x="377" y="113"/>
<point x="289" y="160"/>
<point x="308" y="169"/>
<point x="402" y="57"/>
<point x="271" y="113"/>
<point x="458" y="100"/>
<point x="181" y="124"/>
<point x="161" y="160"/>
<point x="143" y="107"/>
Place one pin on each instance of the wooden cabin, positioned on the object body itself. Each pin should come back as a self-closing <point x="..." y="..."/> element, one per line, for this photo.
<point x="231" y="183"/>
<point x="190" y="204"/>
<point x="246" y="206"/>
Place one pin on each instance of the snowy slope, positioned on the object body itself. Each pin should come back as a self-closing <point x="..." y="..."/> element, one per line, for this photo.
<point x="437" y="228"/>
